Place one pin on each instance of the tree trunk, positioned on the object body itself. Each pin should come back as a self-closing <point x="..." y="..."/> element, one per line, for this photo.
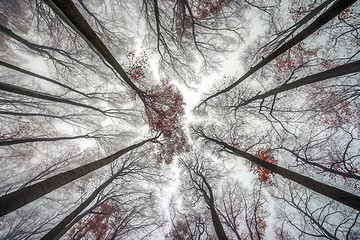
<point x="30" y="114"/>
<point x="210" y="202"/>
<point x="291" y="30"/>
<point x="220" y="233"/>
<point x="334" y="193"/>
<point x="13" y="67"/>
<point x="40" y="139"/>
<point x="331" y="73"/>
<point x="21" y="197"/>
<point x="55" y="232"/>
<point x="68" y="8"/>
<point x="35" y="94"/>
<point x="330" y="13"/>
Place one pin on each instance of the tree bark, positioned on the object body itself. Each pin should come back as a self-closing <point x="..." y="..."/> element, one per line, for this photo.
<point x="54" y="233"/>
<point x="21" y="197"/>
<point x="13" y="67"/>
<point x="334" y="193"/>
<point x="331" y="73"/>
<point x="35" y="94"/>
<point x="40" y="139"/>
<point x="220" y="233"/>
<point x="219" y="229"/>
<point x="209" y="200"/>
<point x="68" y="8"/>
<point x="330" y="13"/>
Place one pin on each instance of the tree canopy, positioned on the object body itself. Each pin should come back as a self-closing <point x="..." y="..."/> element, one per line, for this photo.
<point x="179" y="119"/>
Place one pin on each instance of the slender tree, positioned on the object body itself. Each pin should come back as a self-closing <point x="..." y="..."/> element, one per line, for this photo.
<point x="197" y="176"/>
<point x="342" y="70"/>
<point x="45" y="96"/>
<point x="69" y="9"/>
<point x="128" y="166"/>
<point x="21" y="197"/>
<point x="13" y="67"/>
<point x="325" y="17"/>
<point x="315" y="221"/>
<point x="334" y="193"/>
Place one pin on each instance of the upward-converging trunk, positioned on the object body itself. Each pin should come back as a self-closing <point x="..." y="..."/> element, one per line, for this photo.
<point x="13" y="67"/>
<point x="331" y="73"/>
<point x="207" y="193"/>
<point x="66" y="8"/>
<point x="330" y="13"/>
<point x="334" y="193"/>
<point x="35" y="94"/>
<point x="9" y="142"/>
<point x="21" y="197"/>
<point x="219" y="229"/>
<point x="57" y="231"/>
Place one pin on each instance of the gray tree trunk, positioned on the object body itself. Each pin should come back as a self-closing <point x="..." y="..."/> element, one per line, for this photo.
<point x="13" y="67"/>
<point x="40" y="139"/>
<point x="334" y="193"/>
<point x="330" y="13"/>
<point x="69" y="10"/>
<point x="318" y="77"/>
<point x="54" y="232"/>
<point x="35" y="94"/>
<point x="21" y="197"/>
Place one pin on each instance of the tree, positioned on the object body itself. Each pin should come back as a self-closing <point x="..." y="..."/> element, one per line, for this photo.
<point x="73" y="73"/>
<point x="72" y="13"/>
<point x="19" y="198"/>
<point x="107" y="206"/>
<point x="339" y="195"/>
<point x="200" y="183"/>
<point x="330" y="13"/>
<point x="239" y="208"/>
<point x="353" y="67"/>
<point x="315" y="221"/>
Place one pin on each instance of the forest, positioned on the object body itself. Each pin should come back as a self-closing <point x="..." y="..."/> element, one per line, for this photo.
<point x="180" y="119"/>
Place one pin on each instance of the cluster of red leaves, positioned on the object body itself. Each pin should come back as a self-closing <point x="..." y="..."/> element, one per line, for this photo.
<point x="164" y="112"/>
<point x="98" y="224"/>
<point x="346" y="14"/>
<point x="294" y="57"/>
<point x="265" y="175"/>
<point x="261" y="227"/>
<point x="138" y="65"/>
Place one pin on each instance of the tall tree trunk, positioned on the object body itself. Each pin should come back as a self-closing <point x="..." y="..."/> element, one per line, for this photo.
<point x="69" y="10"/>
<point x="31" y="114"/>
<point x="330" y="13"/>
<point x="219" y="229"/>
<point x="209" y="200"/>
<point x="220" y="233"/>
<point x="54" y="233"/>
<point x="21" y="197"/>
<point x="40" y="139"/>
<point x="291" y="30"/>
<point x="331" y="73"/>
<point x="42" y="49"/>
<point x="35" y="94"/>
<point x="334" y="193"/>
<point x="13" y="67"/>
